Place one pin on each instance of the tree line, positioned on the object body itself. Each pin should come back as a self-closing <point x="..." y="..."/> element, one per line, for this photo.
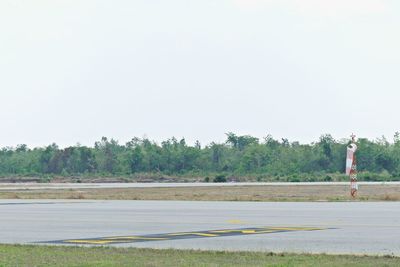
<point x="238" y="156"/>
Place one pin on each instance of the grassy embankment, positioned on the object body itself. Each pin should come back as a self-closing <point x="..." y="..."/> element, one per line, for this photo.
<point x="17" y="255"/>
<point x="229" y="193"/>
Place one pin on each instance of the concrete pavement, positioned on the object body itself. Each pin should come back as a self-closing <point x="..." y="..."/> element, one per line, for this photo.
<point x="347" y="227"/>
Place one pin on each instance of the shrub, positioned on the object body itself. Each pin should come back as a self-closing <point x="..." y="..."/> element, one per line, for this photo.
<point x="220" y="179"/>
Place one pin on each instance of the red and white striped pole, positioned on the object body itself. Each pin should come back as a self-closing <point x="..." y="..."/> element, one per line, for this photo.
<point x="351" y="166"/>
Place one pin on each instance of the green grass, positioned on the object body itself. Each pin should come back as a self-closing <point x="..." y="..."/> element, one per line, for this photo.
<point x="27" y="255"/>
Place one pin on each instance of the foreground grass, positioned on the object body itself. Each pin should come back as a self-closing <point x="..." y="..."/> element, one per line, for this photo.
<point x="231" y="193"/>
<point x="18" y="255"/>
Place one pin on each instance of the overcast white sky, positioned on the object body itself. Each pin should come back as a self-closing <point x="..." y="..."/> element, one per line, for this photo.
<point x="76" y="70"/>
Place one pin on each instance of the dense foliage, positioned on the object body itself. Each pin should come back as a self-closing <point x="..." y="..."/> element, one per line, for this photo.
<point x="239" y="156"/>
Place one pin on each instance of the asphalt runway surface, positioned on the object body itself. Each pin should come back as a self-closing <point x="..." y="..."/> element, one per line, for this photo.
<point x="312" y="227"/>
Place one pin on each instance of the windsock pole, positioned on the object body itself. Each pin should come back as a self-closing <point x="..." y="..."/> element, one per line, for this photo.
<point x="351" y="166"/>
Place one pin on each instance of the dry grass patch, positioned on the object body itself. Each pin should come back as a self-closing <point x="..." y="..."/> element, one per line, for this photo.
<point x="230" y="193"/>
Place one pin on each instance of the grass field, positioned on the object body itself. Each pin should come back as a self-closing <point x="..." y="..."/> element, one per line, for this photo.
<point x="18" y="255"/>
<point x="231" y="193"/>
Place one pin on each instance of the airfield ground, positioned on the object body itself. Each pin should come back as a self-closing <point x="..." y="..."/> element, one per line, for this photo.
<point x="289" y="192"/>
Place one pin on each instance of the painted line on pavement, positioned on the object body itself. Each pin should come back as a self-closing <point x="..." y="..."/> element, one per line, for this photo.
<point x="182" y="235"/>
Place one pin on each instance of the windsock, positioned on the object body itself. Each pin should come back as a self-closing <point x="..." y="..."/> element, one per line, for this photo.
<point x="351" y="168"/>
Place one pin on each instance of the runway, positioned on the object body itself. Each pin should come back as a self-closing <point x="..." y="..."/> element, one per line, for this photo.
<point x="340" y="227"/>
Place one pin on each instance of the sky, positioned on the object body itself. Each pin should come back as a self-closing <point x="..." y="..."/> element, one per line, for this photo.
<point x="72" y="71"/>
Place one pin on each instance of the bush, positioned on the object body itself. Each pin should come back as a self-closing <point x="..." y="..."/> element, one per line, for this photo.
<point x="308" y="179"/>
<point x="293" y="179"/>
<point x="220" y="179"/>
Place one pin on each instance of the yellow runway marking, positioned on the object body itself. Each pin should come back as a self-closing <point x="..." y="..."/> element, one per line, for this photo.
<point x="243" y="231"/>
<point x="135" y="238"/>
<point x="184" y="235"/>
<point x="198" y="234"/>
<point x="293" y="228"/>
